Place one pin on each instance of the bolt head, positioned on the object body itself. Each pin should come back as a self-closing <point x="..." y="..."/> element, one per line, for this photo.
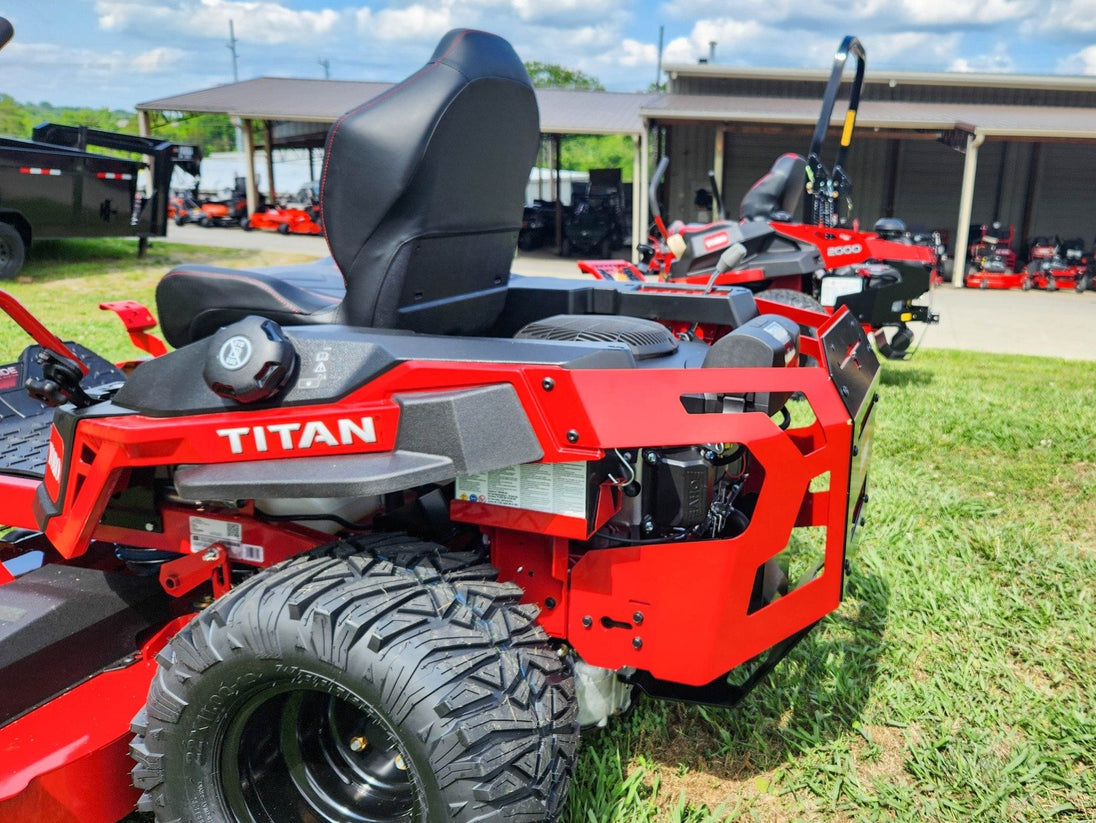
<point x="587" y="621"/>
<point x="547" y="384"/>
<point x="637" y="643"/>
<point x="572" y="436"/>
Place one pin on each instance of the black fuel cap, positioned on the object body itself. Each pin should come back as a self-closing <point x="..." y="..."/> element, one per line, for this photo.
<point x="249" y="361"/>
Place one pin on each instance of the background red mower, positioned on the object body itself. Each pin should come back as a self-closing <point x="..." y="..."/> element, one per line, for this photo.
<point x="825" y="261"/>
<point x="285" y="221"/>
<point x="992" y="261"/>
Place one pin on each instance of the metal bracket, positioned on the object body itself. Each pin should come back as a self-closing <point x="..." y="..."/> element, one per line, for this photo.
<point x="192" y="570"/>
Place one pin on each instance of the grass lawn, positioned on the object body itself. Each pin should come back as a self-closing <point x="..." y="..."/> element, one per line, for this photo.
<point x="955" y="683"/>
<point x="64" y="281"/>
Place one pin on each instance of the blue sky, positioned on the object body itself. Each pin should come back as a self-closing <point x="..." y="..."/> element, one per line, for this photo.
<point x="117" y="53"/>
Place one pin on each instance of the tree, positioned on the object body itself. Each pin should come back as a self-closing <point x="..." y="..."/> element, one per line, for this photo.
<point x="552" y="76"/>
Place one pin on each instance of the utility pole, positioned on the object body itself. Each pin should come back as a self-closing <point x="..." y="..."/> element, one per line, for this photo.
<point x="232" y="48"/>
<point x="235" y="78"/>
<point x="326" y="67"/>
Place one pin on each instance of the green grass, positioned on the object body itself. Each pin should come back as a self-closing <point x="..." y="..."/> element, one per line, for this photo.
<point x="955" y="683"/>
<point x="64" y="281"/>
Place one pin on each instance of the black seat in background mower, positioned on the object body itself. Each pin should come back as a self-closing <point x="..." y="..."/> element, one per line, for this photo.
<point x="422" y="194"/>
<point x="776" y="196"/>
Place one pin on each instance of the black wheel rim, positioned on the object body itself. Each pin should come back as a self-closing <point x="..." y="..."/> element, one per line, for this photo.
<point x="311" y="756"/>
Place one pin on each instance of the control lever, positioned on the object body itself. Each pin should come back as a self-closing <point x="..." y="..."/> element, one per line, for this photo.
<point x="60" y="382"/>
<point x="731" y="257"/>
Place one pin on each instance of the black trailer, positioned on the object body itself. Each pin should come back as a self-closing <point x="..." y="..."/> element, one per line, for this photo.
<point x="52" y="186"/>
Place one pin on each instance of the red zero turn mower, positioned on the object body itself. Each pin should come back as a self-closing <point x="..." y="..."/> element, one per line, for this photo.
<point x="1056" y="263"/>
<point x="380" y="555"/>
<point x="822" y="262"/>
<point x="992" y="261"/>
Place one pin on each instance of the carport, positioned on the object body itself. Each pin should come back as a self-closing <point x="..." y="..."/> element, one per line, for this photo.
<point x="297" y="113"/>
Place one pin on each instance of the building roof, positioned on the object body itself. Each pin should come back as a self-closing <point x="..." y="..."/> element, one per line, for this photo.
<point x="997" y="80"/>
<point x="1026" y="122"/>
<point x="562" y="111"/>
<point x="587" y="112"/>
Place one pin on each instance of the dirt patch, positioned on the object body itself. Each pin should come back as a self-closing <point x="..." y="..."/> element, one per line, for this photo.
<point x="731" y="785"/>
<point x="880" y="755"/>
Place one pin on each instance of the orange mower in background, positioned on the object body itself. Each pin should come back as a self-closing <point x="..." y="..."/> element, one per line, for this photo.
<point x="285" y="221"/>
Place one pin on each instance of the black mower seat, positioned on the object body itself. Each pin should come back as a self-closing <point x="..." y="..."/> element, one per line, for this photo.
<point x="422" y="194"/>
<point x="776" y="196"/>
<point x="194" y="301"/>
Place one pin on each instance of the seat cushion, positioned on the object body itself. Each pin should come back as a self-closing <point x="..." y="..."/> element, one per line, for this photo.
<point x="194" y="301"/>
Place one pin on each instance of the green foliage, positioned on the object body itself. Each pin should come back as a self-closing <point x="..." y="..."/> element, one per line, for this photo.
<point x="64" y="281"/>
<point x="209" y="132"/>
<point x="17" y="119"/>
<point x="581" y="152"/>
<point x="598" y="151"/>
<point x="552" y="76"/>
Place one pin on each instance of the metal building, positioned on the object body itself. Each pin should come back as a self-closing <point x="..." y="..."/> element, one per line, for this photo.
<point x="939" y="150"/>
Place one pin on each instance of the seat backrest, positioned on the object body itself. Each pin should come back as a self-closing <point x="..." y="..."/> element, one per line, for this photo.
<point x="423" y="188"/>
<point x="777" y="194"/>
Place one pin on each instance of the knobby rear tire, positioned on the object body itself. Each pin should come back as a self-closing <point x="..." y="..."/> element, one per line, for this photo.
<point x="377" y="678"/>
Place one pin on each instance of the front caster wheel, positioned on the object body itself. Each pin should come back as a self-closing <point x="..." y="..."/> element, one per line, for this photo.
<point x="376" y="679"/>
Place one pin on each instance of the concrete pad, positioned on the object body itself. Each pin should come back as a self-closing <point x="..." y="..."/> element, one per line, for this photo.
<point x="1011" y="321"/>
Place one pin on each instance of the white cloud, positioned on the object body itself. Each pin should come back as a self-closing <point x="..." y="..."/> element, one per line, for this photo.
<point x="999" y="60"/>
<point x="880" y="14"/>
<point x="918" y="51"/>
<point x="51" y="59"/>
<point x="1069" y="16"/>
<point x="1080" y="62"/>
<point x="565" y="13"/>
<point x="254" y="21"/>
<point x="416" y="22"/>
<point x="734" y="41"/>
<point x="633" y="53"/>
<point x="162" y="59"/>
<point x="962" y="12"/>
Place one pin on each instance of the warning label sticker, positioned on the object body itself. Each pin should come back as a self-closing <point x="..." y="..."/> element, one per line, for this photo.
<point x="555" y="488"/>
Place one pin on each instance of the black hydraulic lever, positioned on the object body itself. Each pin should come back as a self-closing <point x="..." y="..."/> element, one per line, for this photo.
<point x="60" y="382"/>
